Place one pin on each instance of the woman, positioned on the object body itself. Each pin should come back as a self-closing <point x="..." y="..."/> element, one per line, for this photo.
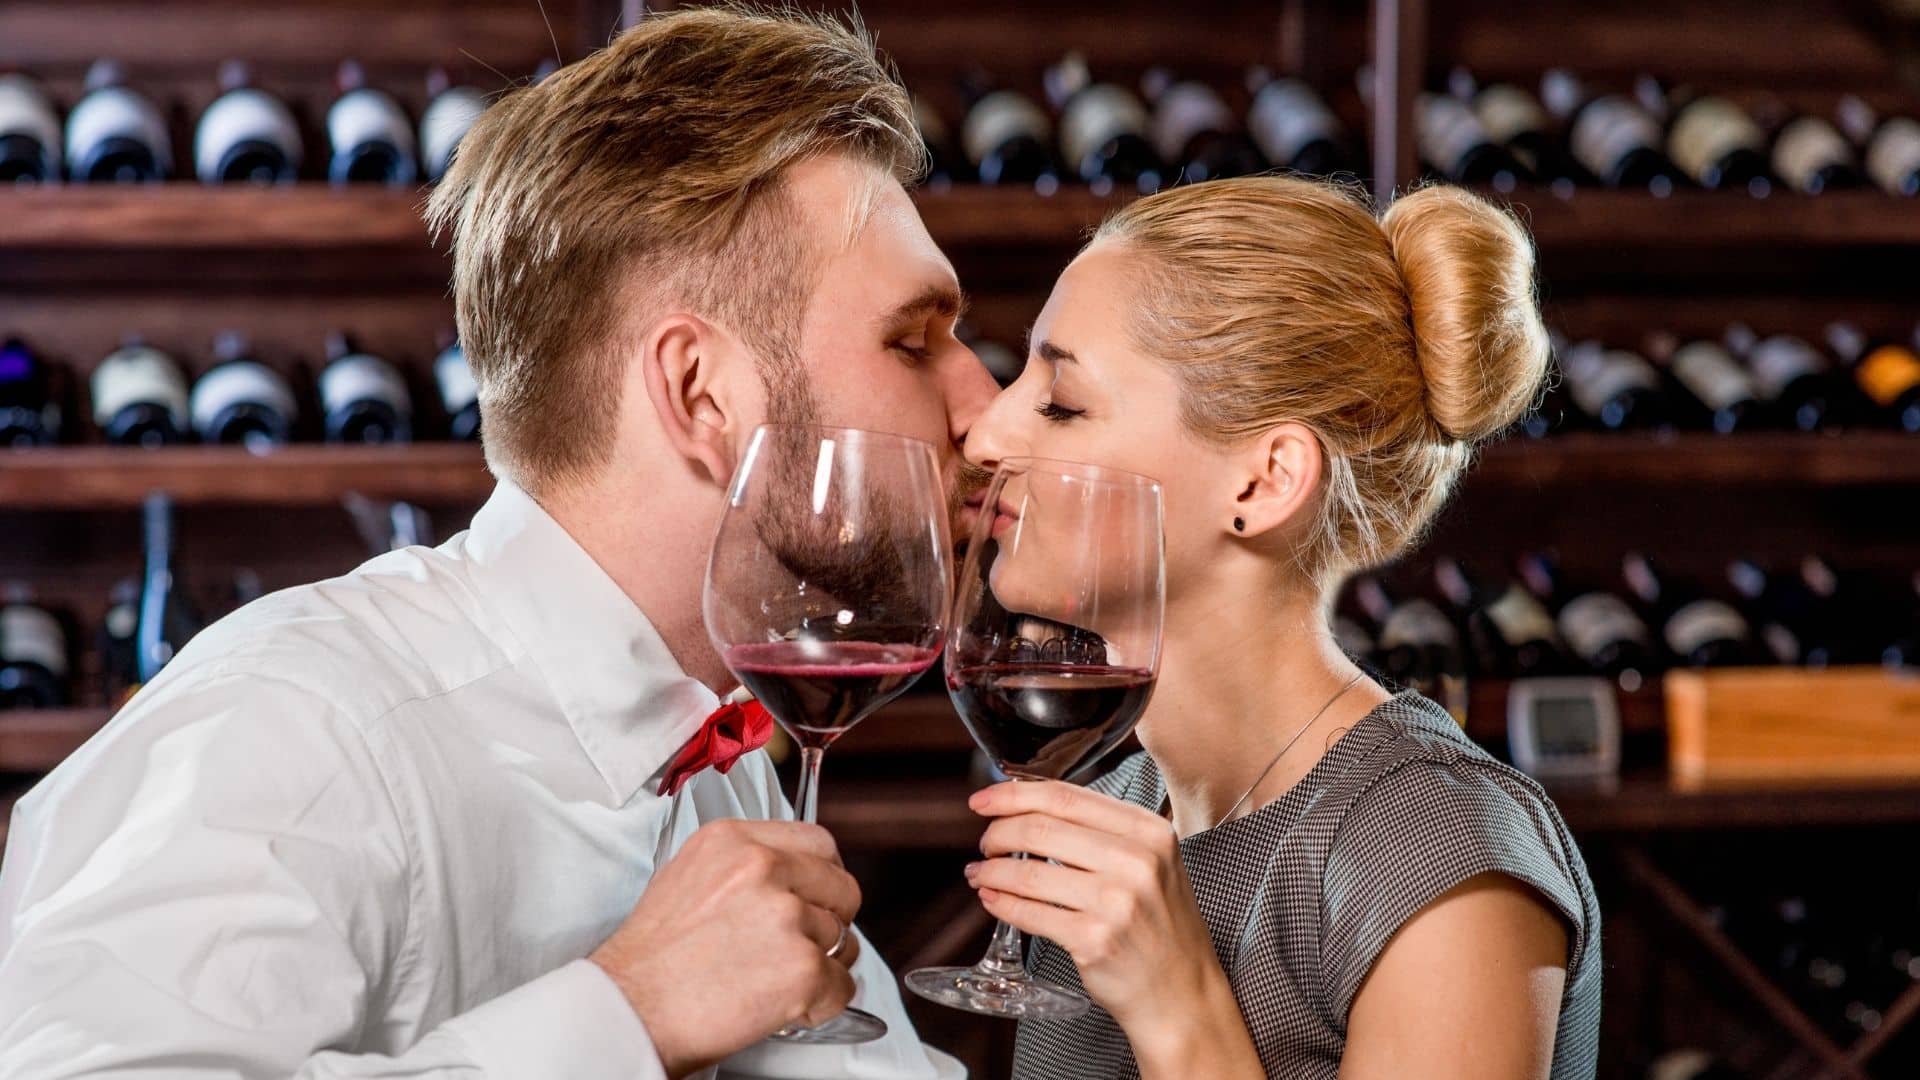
<point x="1304" y="875"/>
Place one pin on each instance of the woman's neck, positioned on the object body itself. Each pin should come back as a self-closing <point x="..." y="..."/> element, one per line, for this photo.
<point x="1244" y="679"/>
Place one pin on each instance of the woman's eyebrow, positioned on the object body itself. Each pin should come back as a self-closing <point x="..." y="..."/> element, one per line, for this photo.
<point x="1054" y="354"/>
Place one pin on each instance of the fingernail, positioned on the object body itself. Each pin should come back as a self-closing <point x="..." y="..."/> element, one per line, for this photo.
<point x="978" y="799"/>
<point x="973" y="870"/>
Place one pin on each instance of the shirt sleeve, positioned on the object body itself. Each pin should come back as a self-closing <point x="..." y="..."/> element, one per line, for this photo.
<point x="1423" y="829"/>
<point x="217" y="885"/>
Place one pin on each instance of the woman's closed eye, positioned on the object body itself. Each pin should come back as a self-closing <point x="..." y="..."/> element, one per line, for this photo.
<point x="1058" y="413"/>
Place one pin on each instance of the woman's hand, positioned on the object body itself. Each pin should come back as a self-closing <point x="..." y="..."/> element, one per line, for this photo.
<point x="1119" y="902"/>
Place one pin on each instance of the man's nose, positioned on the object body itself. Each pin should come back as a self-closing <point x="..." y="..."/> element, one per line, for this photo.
<point x="970" y="393"/>
<point x="995" y="435"/>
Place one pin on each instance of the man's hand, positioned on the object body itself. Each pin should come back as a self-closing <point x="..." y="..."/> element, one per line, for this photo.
<point x="729" y="942"/>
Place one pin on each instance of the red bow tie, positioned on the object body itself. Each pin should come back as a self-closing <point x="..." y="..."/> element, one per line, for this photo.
<point x="734" y="729"/>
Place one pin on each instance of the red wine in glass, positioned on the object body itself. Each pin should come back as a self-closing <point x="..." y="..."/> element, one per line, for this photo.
<point x="822" y="688"/>
<point x="1048" y="721"/>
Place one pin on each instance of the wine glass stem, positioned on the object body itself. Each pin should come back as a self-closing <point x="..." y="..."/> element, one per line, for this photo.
<point x="1006" y="953"/>
<point x="806" y="801"/>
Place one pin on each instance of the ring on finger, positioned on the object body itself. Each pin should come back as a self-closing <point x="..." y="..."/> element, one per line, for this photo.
<point x="839" y="942"/>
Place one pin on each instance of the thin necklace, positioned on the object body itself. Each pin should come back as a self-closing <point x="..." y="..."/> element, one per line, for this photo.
<point x="1337" y="695"/>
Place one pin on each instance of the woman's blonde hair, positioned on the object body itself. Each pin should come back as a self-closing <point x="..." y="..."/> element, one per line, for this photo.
<point x="1400" y="341"/>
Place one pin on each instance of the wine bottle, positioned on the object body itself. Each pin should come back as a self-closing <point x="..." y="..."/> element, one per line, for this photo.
<point x="1103" y="130"/>
<point x="1903" y="647"/>
<point x="1417" y="645"/>
<point x="241" y="401"/>
<point x="371" y="138"/>
<point x="459" y="394"/>
<point x="167" y="620"/>
<point x="115" y="134"/>
<point x="33" y="657"/>
<point x="29" y="133"/>
<point x="1007" y="137"/>
<point x="1453" y="142"/>
<point x="1612" y="136"/>
<point x="362" y="398"/>
<point x="1512" y="634"/>
<point x="1352" y="638"/>
<point x="944" y="166"/>
<point x="119" y="648"/>
<point x="1725" y="390"/>
<point x="1845" y="614"/>
<point x="450" y="111"/>
<point x="28" y="414"/>
<point x="1600" y="629"/>
<point x="1194" y="132"/>
<point x="1811" y="156"/>
<point x="140" y="396"/>
<point x="1293" y="127"/>
<point x="1776" y="610"/>
<point x="1698" y="630"/>
<point x="1719" y="146"/>
<point x="246" y="135"/>
<point x="1797" y="383"/>
<point x="1892" y="157"/>
<point x="1617" y="389"/>
<point x="1514" y="118"/>
<point x="1886" y="372"/>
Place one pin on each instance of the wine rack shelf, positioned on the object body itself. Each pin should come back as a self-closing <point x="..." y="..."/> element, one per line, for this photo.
<point x="103" y="477"/>
<point x="36" y="740"/>
<point x="319" y="218"/>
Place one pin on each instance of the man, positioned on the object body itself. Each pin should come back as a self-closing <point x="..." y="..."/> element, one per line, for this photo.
<point x="406" y="822"/>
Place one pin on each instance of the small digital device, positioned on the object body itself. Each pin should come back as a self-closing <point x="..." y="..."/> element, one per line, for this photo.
<point x="1564" y="728"/>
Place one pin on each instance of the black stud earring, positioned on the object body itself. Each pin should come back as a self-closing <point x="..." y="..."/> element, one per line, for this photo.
<point x="1239" y="525"/>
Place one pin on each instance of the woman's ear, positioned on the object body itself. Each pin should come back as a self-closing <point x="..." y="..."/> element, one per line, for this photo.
<point x="1282" y="469"/>
<point x="681" y="360"/>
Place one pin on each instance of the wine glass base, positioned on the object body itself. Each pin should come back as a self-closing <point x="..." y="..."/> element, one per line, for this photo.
<point x="852" y="1026"/>
<point x="1020" y="997"/>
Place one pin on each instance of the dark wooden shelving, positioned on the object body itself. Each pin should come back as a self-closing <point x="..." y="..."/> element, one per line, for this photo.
<point x="104" y="477"/>
<point x="1703" y="460"/>
<point x="36" y="740"/>
<point x="1610" y="220"/>
<point x="193" y="217"/>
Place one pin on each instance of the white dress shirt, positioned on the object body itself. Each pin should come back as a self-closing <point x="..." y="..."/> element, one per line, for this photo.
<point x="370" y="827"/>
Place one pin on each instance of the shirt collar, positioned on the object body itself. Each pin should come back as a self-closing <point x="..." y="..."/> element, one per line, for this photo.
<point x="628" y="702"/>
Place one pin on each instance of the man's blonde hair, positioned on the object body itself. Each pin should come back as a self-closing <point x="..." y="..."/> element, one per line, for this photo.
<point x="650" y="172"/>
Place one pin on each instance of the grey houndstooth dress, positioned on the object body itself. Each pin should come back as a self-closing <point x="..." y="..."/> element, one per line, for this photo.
<point x="1302" y="895"/>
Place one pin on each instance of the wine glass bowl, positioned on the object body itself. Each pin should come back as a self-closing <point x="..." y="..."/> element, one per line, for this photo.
<point x="826" y="594"/>
<point x="1051" y="658"/>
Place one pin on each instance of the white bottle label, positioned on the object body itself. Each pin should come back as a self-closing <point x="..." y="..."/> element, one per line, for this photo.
<point x="1447" y="129"/>
<point x="1095" y="115"/>
<point x="117" y="112"/>
<point x="31" y="635"/>
<point x="1520" y="618"/>
<point x="238" y="116"/>
<point x="1592" y="621"/>
<point x="1597" y="375"/>
<point x="1709" y="129"/>
<point x="1418" y="624"/>
<point x="445" y="123"/>
<point x="134" y="375"/>
<point x="1608" y="129"/>
<point x="455" y="378"/>
<point x="1701" y="622"/>
<point x="1184" y="111"/>
<point x="25" y="110"/>
<point x="236" y="382"/>
<point x="367" y="115"/>
<point x="1894" y="156"/>
<point x="1779" y="360"/>
<point x="1713" y="376"/>
<point x="999" y="118"/>
<point x="1286" y="117"/>
<point x="363" y="377"/>
<point x="1507" y="112"/>
<point x="1806" y="146"/>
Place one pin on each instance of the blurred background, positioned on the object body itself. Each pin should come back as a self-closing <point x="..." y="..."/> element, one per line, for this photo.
<point x="1686" y="592"/>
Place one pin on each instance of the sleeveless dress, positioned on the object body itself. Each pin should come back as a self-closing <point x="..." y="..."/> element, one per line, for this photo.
<point x="1301" y="896"/>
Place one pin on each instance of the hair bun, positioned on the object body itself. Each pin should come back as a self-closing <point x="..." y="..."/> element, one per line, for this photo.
<point x="1468" y="270"/>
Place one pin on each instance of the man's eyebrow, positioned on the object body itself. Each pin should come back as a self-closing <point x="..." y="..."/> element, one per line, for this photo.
<point x="1054" y="354"/>
<point x="943" y="300"/>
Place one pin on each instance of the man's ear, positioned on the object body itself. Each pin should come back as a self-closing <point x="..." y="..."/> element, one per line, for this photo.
<point x="681" y="362"/>
<point x="1281" y="473"/>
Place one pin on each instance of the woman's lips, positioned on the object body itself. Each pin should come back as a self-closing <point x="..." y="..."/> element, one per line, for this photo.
<point x="1004" y="517"/>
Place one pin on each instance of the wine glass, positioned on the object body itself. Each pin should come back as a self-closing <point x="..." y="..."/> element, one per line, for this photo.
<point x="1052" y="655"/>
<point x="826" y="594"/>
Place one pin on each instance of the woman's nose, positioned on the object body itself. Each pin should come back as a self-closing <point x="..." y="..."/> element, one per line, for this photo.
<point x="995" y="434"/>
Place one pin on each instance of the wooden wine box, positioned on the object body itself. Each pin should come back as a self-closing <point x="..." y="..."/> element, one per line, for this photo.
<point x="1789" y="724"/>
